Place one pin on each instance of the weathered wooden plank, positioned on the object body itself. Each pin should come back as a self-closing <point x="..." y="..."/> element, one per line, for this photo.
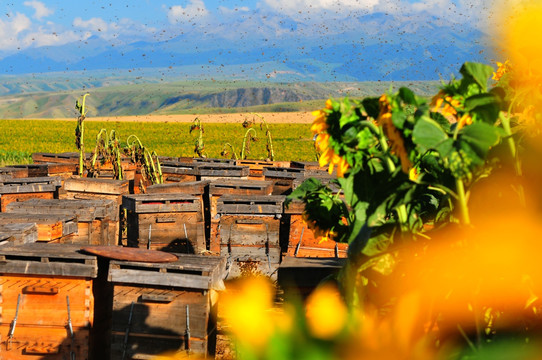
<point x="240" y="187"/>
<point x="247" y="253"/>
<point x="46" y="180"/>
<point x="62" y="158"/>
<point x="239" y="204"/>
<point x="85" y="210"/>
<point x="13" y="173"/>
<point x="222" y="170"/>
<point x="47" y="259"/>
<point x="96" y="185"/>
<point x="242" y="268"/>
<point x="307" y="165"/>
<point x="7" y="199"/>
<point x="250" y="230"/>
<point x="189" y="187"/>
<point x="214" y="161"/>
<point x="139" y="277"/>
<point x="22" y="233"/>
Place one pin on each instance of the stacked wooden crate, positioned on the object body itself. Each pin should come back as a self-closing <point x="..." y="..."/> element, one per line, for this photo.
<point x="49" y="169"/>
<point x="232" y="187"/>
<point x="96" y="219"/>
<point x="168" y="222"/>
<point x="199" y="189"/>
<point x="8" y="172"/>
<point x="164" y="307"/>
<point x="175" y="171"/>
<point x="98" y="188"/>
<point x="250" y="233"/>
<point x="282" y="178"/>
<point x="50" y="227"/>
<point x="22" y="189"/>
<point x="214" y="171"/>
<point x="46" y="301"/>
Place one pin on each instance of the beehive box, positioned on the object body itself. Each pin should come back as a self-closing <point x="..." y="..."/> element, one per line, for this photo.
<point x="249" y="234"/>
<point x="199" y="189"/>
<point x="50" y="227"/>
<point x="175" y="171"/>
<point x="282" y="178"/>
<point x="17" y="190"/>
<point x="59" y="158"/>
<point x="98" y="188"/>
<point x="151" y="301"/>
<point x="301" y="240"/>
<point x="172" y="222"/>
<point x="213" y="161"/>
<point x="96" y="219"/>
<point x="22" y="233"/>
<point x="214" y="171"/>
<point x="47" y="301"/>
<point x="233" y="187"/>
<point x="256" y="167"/>
<point x="49" y="169"/>
<point x="8" y="172"/>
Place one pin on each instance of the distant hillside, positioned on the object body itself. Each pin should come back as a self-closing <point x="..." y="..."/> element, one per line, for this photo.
<point x="187" y="97"/>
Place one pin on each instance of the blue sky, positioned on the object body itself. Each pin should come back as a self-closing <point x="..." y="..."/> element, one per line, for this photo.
<point x="34" y="23"/>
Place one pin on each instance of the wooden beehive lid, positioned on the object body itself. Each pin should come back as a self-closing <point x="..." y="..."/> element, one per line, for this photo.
<point x="68" y="221"/>
<point x="85" y="210"/>
<point x="13" y="173"/>
<point x="47" y="259"/>
<point x="189" y="271"/>
<point x="282" y="173"/>
<point x="307" y="165"/>
<point x="97" y="185"/>
<point x="295" y="207"/>
<point x="222" y="170"/>
<point x="324" y="178"/>
<point x="189" y="187"/>
<point x="250" y="204"/>
<point x="30" y="185"/>
<point x="260" y="164"/>
<point x="21" y="233"/>
<point x="65" y="158"/>
<point x="47" y="169"/>
<point x="240" y="187"/>
<point x="178" y="168"/>
<point x="214" y="161"/>
<point x="161" y="203"/>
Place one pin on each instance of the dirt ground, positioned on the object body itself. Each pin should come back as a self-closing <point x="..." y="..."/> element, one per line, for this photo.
<point x="272" y="118"/>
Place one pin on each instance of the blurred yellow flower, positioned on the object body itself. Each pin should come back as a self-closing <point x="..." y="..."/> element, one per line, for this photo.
<point x="247" y="309"/>
<point x="445" y="104"/>
<point x="502" y="68"/>
<point x="319" y="124"/>
<point x="326" y="312"/>
<point x="413" y="174"/>
<point x="466" y="119"/>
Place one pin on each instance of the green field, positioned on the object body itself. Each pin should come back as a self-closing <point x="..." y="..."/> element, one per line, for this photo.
<point x="20" y="138"/>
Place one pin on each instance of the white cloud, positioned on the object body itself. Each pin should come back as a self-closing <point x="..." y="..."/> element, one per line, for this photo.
<point x="40" y="10"/>
<point x="300" y="6"/>
<point x="10" y="30"/>
<point x="112" y="30"/>
<point x="195" y="9"/>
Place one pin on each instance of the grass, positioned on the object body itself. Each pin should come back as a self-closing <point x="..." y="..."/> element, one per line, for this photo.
<point x="20" y="138"/>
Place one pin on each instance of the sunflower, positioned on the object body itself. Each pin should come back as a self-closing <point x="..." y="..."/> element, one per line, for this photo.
<point x="445" y="104"/>
<point x="502" y="68"/>
<point x="394" y="136"/>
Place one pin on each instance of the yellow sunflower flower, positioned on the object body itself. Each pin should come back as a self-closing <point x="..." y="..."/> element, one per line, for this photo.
<point x="326" y="312"/>
<point x="445" y="104"/>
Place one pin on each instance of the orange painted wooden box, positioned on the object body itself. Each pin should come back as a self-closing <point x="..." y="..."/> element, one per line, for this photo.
<point x="17" y="190"/>
<point x="47" y="301"/>
<point x="249" y="233"/>
<point x="301" y="240"/>
<point x="50" y="227"/>
<point x="167" y="222"/>
<point x="167" y="307"/>
<point x="49" y="169"/>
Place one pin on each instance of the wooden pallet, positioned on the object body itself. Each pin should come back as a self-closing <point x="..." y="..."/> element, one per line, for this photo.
<point x="157" y="298"/>
<point x="172" y="222"/>
<point x="36" y="283"/>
